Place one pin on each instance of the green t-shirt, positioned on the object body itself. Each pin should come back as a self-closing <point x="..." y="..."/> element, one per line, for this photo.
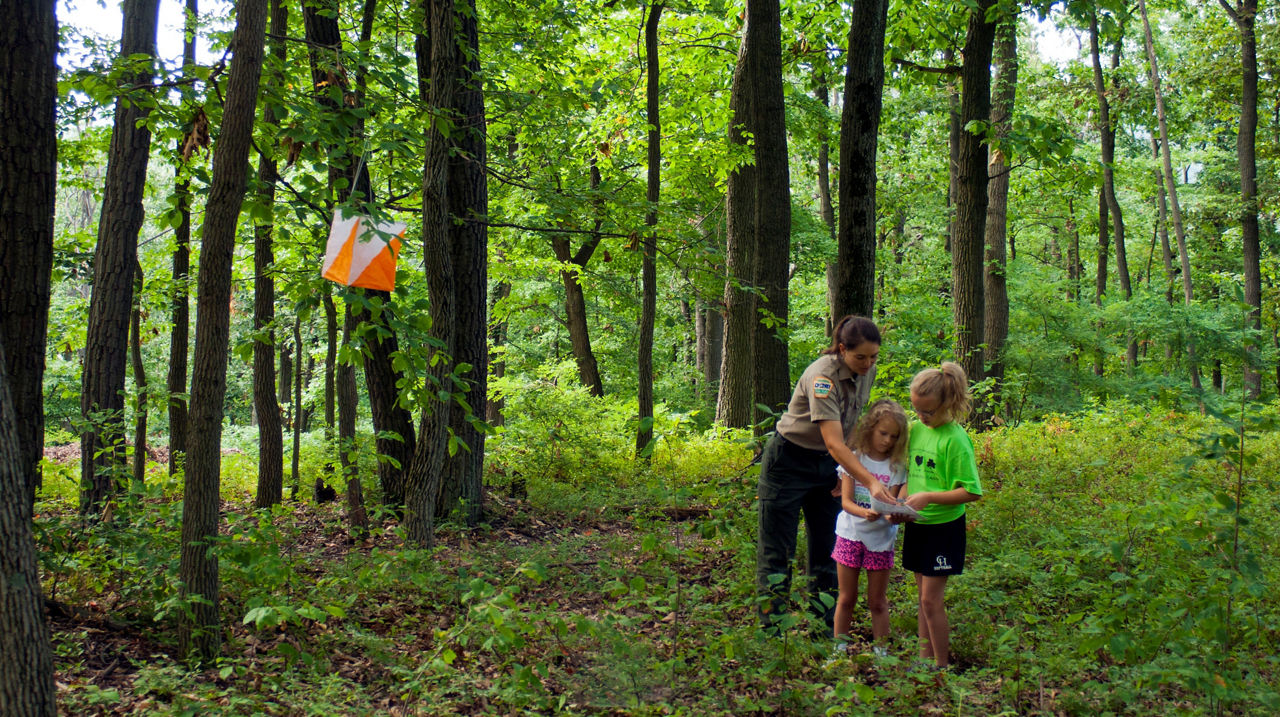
<point x="941" y="459"/>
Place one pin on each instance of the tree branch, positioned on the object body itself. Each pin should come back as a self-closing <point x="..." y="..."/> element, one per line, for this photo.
<point x="947" y="70"/>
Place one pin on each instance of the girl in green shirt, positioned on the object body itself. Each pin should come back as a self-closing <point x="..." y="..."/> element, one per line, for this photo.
<point x="942" y="475"/>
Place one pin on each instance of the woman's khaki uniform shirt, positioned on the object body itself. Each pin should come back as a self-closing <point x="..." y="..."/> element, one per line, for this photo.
<point x="826" y="391"/>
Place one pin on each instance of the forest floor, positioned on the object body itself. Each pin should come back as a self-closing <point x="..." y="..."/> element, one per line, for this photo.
<point x="636" y="596"/>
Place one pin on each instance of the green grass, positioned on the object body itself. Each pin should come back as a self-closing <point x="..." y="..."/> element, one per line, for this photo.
<point x="1099" y="571"/>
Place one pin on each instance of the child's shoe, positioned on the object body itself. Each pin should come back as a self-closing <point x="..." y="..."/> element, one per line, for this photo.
<point x="839" y="654"/>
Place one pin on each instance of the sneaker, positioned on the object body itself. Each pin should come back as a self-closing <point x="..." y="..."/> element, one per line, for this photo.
<point x="839" y="654"/>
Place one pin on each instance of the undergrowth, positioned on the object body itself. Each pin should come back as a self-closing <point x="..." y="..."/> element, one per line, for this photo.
<point x="1105" y="575"/>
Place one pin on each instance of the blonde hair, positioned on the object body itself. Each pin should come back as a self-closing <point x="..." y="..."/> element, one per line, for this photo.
<point x="950" y="384"/>
<point x="882" y="409"/>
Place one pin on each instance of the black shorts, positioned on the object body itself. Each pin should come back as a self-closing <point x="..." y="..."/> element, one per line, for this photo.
<point x="934" y="549"/>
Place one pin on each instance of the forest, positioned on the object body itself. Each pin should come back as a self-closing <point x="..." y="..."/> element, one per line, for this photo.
<point x="414" y="358"/>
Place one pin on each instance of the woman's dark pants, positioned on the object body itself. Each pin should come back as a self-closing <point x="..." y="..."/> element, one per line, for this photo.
<point x="792" y="480"/>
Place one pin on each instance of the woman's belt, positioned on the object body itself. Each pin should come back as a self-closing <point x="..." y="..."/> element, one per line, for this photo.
<point x="796" y="449"/>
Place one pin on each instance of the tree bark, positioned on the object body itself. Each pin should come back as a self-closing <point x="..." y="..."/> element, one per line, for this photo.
<point x="1243" y="15"/>
<point x="348" y="402"/>
<point x="28" y="165"/>
<point x="497" y="341"/>
<point x="971" y="195"/>
<point x="468" y="195"/>
<point x="299" y="418"/>
<point x="455" y="199"/>
<point x="200" y="632"/>
<point x="771" y="379"/>
<point x="26" y="657"/>
<point x="1004" y="94"/>
<point x="1170" y="185"/>
<point x="176" y="380"/>
<point x="102" y="382"/>
<point x="733" y="404"/>
<point x="859" y="135"/>
<point x="139" y="381"/>
<point x="649" y="244"/>
<point x="270" y="434"/>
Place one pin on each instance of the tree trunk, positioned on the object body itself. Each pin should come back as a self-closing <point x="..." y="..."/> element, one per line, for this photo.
<point x="299" y="418"/>
<point x="1004" y="93"/>
<point x="200" y="631"/>
<point x="498" y="342"/>
<point x="1100" y="285"/>
<point x="102" y="383"/>
<point x="971" y="194"/>
<point x="139" y="381"/>
<point x="348" y="402"/>
<point x="733" y="404"/>
<point x="28" y="165"/>
<point x="771" y="380"/>
<point x="1107" y="129"/>
<point x="1170" y="185"/>
<point x="1074" y="269"/>
<point x="381" y="378"/>
<point x="648" y="271"/>
<point x="825" y="207"/>
<point x="859" y="134"/>
<point x="1243" y="15"/>
<point x="176" y="380"/>
<point x="575" y="303"/>
<point x="330" y="389"/>
<point x="270" y="435"/>
<point x="468" y="195"/>
<point x="1162" y="225"/>
<point x="26" y="658"/>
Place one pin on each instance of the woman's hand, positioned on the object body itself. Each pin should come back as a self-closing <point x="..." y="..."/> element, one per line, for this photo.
<point x="880" y="492"/>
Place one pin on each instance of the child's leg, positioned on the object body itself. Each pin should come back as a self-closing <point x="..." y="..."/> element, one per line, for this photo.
<point x="934" y="630"/>
<point x="848" y="598"/>
<point x="878" y="602"/>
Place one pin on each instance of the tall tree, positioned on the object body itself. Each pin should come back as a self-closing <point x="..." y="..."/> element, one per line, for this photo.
<point x="28" y="162"/>
<point x="648" y="271"/>
<point x="114" y="258"/>
<point x="270" y="433"/>
<point x="971" y="192"/>
<point x="200" y="632"/>
<point x="733" y="403"/>
<point x="139" y="380"/>
<point x="1111" y="205"/>
<point x="1003" y="95"/>
<point x="859" y="137"/>
<point x="468" y="194"/>
<point x="26" y="658"/>
<point x="771" y="379"/>
<point x="179" y="307"/>
<point x="573" y="263"/>
<point x="1243" y="15"/>
<point x="1171" y="186"/>
<point x="455" y="238"/>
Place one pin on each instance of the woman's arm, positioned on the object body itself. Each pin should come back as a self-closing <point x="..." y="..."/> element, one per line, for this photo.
<point x="833" y="437"/>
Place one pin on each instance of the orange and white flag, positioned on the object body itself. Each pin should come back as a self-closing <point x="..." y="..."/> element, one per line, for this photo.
<point x="362" y="252"/>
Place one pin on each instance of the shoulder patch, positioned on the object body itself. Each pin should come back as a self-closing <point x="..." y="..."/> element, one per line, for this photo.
<point x="821" y="387"/>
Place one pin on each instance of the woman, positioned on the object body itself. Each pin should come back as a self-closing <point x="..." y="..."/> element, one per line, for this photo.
<point x="798" y="466"/>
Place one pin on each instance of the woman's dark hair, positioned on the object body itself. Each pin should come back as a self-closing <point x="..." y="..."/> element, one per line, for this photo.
<point x="851" y="332"/>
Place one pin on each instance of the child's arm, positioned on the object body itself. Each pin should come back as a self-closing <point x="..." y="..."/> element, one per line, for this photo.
<point x="955" y="496"/>
<point x="850" y="505"/>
